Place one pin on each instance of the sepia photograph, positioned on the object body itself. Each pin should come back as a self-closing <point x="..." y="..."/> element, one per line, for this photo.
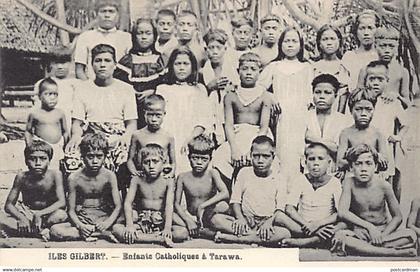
<point x="188" y="131"/>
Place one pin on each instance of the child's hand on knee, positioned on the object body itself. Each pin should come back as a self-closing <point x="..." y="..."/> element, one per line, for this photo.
<point x="36" y="223"/>
<point x="86" y="230"/>
<point x="375" y="235"/>
<point x="240" y="226"/>
<point x="265" y="231"/>
<point x="310" y="228"/>
<point x="192" y="228"/>
<point x="129" y="234"/>
<point x="24" y="226"/>
<point x="326" y="232"/>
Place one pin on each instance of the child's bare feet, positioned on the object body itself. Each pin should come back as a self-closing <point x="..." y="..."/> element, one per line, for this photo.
<point x="217" y="237"/>
<point x="168" y="242"/>
<point x="45" y="235"/>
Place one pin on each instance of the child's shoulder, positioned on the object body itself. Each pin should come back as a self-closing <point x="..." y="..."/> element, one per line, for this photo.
<point x="22" y="176"/>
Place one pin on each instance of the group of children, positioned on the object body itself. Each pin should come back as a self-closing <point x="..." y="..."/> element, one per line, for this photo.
<point x="237" y="148"/>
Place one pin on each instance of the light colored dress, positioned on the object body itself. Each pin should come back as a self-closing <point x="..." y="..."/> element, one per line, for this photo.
<point x="291" y="81"/>
<point x="354" y="62"/>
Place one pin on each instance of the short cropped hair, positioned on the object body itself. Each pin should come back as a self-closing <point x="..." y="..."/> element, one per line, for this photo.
<point x="93" y="142"/>
<point x="215" y="35"/>
<point x="38" y="145"/>
<point x="262" y="139"/>
<point x="387" y="33"/>
<point x="250" y="56"/>
<point x="368" y="13"/>
<point x="313" y="145"/>
<point x="270" y="17"/>
<point x="376" y="63"/>
<point x="103" y="48"/>
<point x="187" y="13"/>
<point x="240" y="21"/>
<point x="44" y="82"/>
<point x="201" y="144"/>
<point x="60" y="54"/>
<point x="152" y="149"/>
<point x="361" y="94"/>
<point x="326" y="78"/>
<point x="166" y="12"/>
<point x="152" y="100"/>
<point x="105" y="3"/>
<point x="353" y="153"/>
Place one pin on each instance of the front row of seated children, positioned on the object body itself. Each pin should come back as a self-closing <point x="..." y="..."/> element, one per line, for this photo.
<point x="315" y="211"/>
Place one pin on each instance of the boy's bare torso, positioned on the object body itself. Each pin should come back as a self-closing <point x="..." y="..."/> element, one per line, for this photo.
<point x="144" y="137"/>
<point x="38" y="194"/>
<point x="152" y="194"/>
<point x="369" y="136"/>
<point x="247" y="114"/>
<point x="48" y="124"/>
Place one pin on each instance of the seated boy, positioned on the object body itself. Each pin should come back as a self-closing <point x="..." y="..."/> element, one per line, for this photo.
<point x="247" y="115"/>
<point x="313" y="200"/>
<point x="387" y="115"/>
<point x="258" y="196"/>
<point x="43" y="201"/>
<point x="48" y="123"/>
<point x="93" y="201"/>
<point x="364" y="203"/>
<point x="204" y="190"/>
<point x="413" y="220"/>
<point x="362" y="105"/>
<point x="153" y="198"/>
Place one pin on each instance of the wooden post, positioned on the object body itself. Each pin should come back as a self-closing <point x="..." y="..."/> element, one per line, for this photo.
<point x="61" y="16"/>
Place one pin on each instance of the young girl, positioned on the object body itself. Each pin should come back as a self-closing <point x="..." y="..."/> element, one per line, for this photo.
<point x="329" y="42"/>
<point x="290" y="76"/>
<point x="364" y="31"/>
<point x="143" y="66"/>
<point x="188" y="111"/>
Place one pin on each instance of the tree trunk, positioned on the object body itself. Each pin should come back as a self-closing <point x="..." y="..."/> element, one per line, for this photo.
<point x="125" y="15"/>
<point x="61" y="15"/>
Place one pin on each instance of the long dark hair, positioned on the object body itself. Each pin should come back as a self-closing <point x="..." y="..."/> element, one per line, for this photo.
<point x="281" y="54"/>
<point x="182" y="50"/>
<point x="134" y="31"/>
<point x="339" y="36"/>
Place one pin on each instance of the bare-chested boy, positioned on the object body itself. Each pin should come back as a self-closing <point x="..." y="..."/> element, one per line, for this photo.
<point x="257" y="199"/>
<point x="362" y="105"/>
<point x="413" y="220"/>
<point x="152" y="196"/>
<point x="48" y="123"/>
<point x="152" y="133"/>
<point x="247" y="115"/>
<point x="93" y="201"/>
<point x="43" y="201"/>
<point x="204" y="190"/>
<point x="364" y="203"/>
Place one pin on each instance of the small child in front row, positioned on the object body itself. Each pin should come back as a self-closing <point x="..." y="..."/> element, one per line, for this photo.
<point x="152" y="196"/>
<point x="258" y="197"/>
<point x="362" y="105"/>
<point x="364" y="204"/>
<point x="43" y="199"/>
<point x="413" y="220"/>
<point x="94" y="202"/>
<point x="48" y="123"/>
<point x="204" y="190"/>
<point x="313" y="200"/>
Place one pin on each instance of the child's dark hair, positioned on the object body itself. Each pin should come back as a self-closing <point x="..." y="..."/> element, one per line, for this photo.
<point x="313" y="145"/>
<point x="93" y="141"/>
<point x="103" y="48"/>
<point x="134" y="31"/>
<point x="250" y="56"/>
<point x="44" y="82"/>
<point x="153" y="99"/>
<point x="104" y="3"/>
<point x="364" y="14"/>
<point x="270" y="17"/>
<point x="339" y="36"/>
<point x="152" y="149"/>
<point x="165" y="12"/>
<point x="240" y="21"/>
<point x="38" y="145"/>
<point x="353" y="153"/>
<point x="215" y="35"/>
<point x="182" y="50"/>
<point x="373" y="64"/>
<point x="60" y="54"/>
<point x="187" y="13"/>
<point x="201" y="145"/>
<point x="326" y="78"/>
<point x="361" y="94"/>
<point x="262" y="139"/>
<point x="281" y="54"/>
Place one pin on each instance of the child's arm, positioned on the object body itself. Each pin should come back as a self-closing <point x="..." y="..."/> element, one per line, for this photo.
<point x="128" y="211"/>
<point x="130" y="127"/>
<point x="265" y="115"/>
<point x="117" y="205"/>
<point x="383" y="152"/>
<point x="404" y="90"/>
<point x="64" y="129"/>
<point x="134" y="147"/>
<point x="394" y="210"/>
<point x="230" y="134"/>
<point x="29" y="129"/>
<point x="343" y="145"/>
<point x="240" y="225"/>
<point x="412" y="217"/>
<point x="76" y="135"/>
<point x="171" y="154"/>
<point x="80" y="71"/>
<point x="169" y="209"/>
<point x="191" y="225"/>
<point x="24" y="225"/>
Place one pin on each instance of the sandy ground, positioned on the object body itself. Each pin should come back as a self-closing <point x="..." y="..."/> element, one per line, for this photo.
<point x="11" y="160"/>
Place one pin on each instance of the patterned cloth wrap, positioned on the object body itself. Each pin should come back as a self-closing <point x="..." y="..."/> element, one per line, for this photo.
<point x="150" y="221"/>
<point x="116" y="156"/>
<point x="91" y="215"/>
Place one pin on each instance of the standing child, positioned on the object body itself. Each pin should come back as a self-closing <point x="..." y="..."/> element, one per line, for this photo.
<point x="329" y="42"/>
<point x="242" y="31"/>
<point x="387" y="114"/>
<point x="188" y="108"/>
<point x="290" y="77"/>
<point x="258" y="196"/>
<point x="247" y="115"/>
<point x="165" y="26"/>
<point x="364" y="203"/>
<point x="270" y="30"/>
<point x="153" y="198"/>
<point x="204" y="191"/>
<point x="362" y="105"/>
<point x="93" y="202"/>
<point x="43" y="199"/>
<point x="143" y="66"/>
<point x="313" y="200"/>
<point x="48" y="123"/>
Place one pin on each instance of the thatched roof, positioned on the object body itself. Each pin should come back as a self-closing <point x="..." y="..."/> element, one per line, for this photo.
<point x="21" y="30"/>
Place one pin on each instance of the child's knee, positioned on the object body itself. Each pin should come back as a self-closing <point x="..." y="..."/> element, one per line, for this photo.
<point x="59" y="216"/>
<point x="62" y="231"/>
<point x="218" y="220"/>
<point x="118" y="230"/>
<point x="179" y="233"/>
<point x="282" y="232"/>
<point x="221" y="207"/>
